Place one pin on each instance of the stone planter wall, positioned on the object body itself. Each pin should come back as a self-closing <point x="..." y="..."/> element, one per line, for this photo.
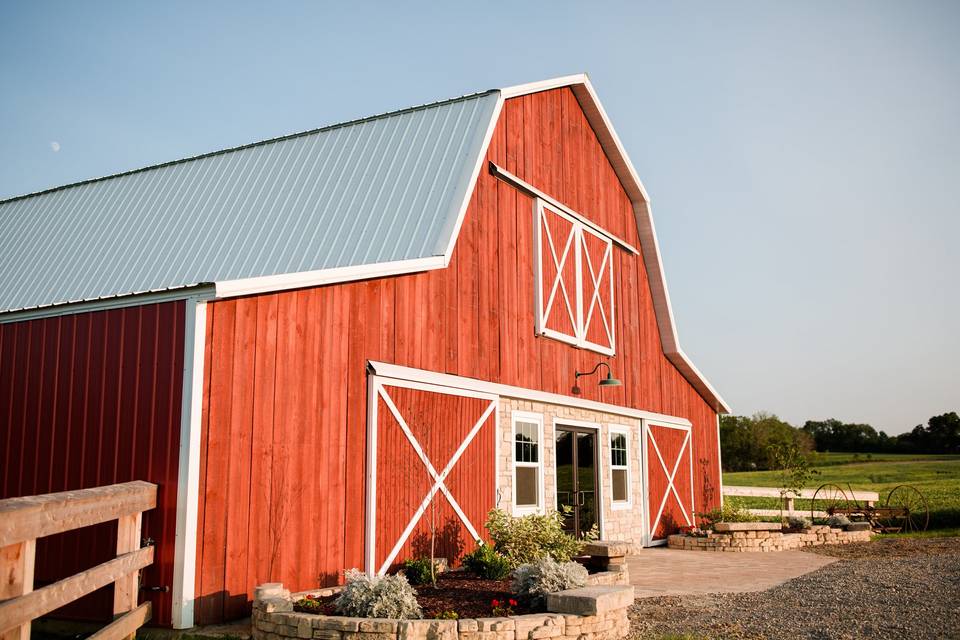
<point x="589" y="613"/>
<point x="751" y="541"/>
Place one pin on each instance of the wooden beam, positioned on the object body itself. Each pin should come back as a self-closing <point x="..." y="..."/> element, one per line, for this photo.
<point x="126" y="590"/>
<point x="32" y="517"/>
<point x="16" y="579"/>
<point x="126" y="625"/>
<point x="25" y="608"/>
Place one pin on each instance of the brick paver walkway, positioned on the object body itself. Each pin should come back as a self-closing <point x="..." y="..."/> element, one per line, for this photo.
<point x="659" y="571"/>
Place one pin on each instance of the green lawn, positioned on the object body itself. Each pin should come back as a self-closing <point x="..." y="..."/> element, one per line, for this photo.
<point x="937" y="477"/>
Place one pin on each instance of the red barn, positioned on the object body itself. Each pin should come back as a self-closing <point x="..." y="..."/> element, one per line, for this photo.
<point x="323" y="345"/>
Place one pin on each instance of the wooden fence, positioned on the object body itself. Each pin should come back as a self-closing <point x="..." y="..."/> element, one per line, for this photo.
<point x="23" y="520"/>
<point x="864" y="497"/>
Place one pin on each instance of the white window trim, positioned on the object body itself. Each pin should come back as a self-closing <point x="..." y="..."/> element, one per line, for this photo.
<point x="527" y="416"/>
<point x="612" y="430"/>
<point x="579" y="337"/>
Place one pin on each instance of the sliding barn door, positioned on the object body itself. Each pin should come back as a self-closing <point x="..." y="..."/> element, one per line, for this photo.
<point x="431" y="471"/>
<point x="669" y="474"/>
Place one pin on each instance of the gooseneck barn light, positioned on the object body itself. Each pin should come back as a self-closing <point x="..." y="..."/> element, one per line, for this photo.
<point x="609" y="381"/>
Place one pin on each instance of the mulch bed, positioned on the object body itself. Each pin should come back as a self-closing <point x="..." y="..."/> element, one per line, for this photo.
<point x="469" y="596"/>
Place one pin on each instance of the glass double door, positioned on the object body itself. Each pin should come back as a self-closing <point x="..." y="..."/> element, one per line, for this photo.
<point x="576" y="450"/>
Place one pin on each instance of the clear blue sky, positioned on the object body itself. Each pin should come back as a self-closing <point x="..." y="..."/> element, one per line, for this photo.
<point x="803" y="158"/>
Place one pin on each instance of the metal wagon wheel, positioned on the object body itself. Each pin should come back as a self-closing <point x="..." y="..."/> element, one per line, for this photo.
<point x="832" y="499"/>
<point x="906" y="510"/>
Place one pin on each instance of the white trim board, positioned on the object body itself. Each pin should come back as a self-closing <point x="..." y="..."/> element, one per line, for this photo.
<point x="188" y="478"/>
<point x="400" y="372"/>
<point x="501" y="173"/>
<point x="198" y="292"/>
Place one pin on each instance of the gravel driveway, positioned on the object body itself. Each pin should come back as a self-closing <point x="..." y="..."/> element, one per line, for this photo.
<point x="890" y="588"/>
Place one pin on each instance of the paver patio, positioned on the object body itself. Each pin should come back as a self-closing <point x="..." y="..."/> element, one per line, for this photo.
<point x="659" y="571"/>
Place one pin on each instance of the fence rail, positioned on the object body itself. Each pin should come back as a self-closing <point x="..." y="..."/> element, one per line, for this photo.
<point x="868" y="498"/>
<point x="23" y="520"/>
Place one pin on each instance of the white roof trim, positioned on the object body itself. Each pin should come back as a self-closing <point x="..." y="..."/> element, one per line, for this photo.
<point x="620" y="161"/>
<point x="399" y="372"/>
<point x="284" y="281"/>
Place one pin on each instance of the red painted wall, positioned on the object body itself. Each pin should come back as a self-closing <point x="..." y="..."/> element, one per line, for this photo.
<point x="285" y="392"/>
<point x="92" y="399"/>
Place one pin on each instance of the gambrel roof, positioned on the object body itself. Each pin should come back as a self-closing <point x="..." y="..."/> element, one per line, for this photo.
<point x="380" y="196"/>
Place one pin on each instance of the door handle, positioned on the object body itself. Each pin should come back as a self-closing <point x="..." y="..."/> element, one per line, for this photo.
<point x="581" y="500"/>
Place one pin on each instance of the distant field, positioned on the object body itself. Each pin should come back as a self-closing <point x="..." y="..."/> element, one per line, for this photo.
<point x="831" y="458"/>
<point x="937" y="477"/>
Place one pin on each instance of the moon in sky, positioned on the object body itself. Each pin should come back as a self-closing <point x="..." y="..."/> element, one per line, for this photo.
<point x="55" y="146"/>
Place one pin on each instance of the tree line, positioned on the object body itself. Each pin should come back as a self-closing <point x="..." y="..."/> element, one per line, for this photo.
<point x="746" y="441"/>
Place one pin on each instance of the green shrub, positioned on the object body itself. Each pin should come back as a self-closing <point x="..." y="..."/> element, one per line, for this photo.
<point x="418" y="571"/>
<point x="377" y="597"/>
<point x="485" y="562"/>
<point x="528" y="538"/>
<point x="445" y="615"/>
<point x="535" y="580"/>
<point x="798" y="522"/>
<point x="731" y="511"/>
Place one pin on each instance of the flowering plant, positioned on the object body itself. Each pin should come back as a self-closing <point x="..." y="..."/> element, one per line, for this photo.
<point x="502" y="608"/>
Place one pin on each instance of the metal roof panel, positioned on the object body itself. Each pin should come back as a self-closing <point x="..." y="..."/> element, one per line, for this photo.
<point x="377" y="190"/>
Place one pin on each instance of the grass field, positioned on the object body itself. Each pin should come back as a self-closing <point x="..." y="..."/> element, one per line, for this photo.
<point x="937" y="477"/>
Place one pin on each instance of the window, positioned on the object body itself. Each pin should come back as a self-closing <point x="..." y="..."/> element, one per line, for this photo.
<point x="574" y="281"/>
<point x="619" y="468"/>
<point x="527" y="462"/>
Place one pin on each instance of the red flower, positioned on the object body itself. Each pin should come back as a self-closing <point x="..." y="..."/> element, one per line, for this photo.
<point x="513" y="602"/>
<point x="311" y="597"/>
<point x="495" y="603"/>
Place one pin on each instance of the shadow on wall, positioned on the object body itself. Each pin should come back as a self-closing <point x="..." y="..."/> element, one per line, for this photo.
<point x="448" y="543"/>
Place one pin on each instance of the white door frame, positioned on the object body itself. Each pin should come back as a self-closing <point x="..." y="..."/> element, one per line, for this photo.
<point x="650" y="524"/>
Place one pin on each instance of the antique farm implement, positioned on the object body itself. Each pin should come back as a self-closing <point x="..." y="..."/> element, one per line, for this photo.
<point x="905" y="508"/>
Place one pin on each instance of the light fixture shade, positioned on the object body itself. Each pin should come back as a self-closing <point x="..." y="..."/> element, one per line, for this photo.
<point x="610" y="381"/>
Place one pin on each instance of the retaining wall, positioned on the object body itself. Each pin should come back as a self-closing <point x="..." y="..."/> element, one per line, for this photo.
<point x="752" y="541"/>
<point x="594" y="612"/>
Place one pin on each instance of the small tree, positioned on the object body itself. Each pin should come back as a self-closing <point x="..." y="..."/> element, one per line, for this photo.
<point x="793" y="469"/>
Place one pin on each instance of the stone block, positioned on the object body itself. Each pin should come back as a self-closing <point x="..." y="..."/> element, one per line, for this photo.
<point x="304" y="628"/>
<point x="590" y="600"/>
<point x="336" y="623"/>
<point x="379" y="625"/>
<point x="607" y="548"/>
<point x="723" y="527"/>
<point x="326" y="634"/>
<point x="468" y="624"/>
<point x="496" y="624"/>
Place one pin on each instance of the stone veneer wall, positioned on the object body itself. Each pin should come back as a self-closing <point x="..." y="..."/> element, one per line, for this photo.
<point x="740" y="541"/>
<point x="591" y="613"/>
<point x="617" y="524"/>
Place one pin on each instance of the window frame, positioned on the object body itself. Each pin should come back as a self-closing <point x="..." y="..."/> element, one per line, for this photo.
<point x="579" y="228"/>
<point x="614" y="430"/>
<point x="537" y="418"/>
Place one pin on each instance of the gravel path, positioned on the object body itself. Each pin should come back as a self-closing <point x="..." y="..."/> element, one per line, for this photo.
<point x="891" y="588"/>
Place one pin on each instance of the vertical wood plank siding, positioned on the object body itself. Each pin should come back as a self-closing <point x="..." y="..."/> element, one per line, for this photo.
<point x="93" y="399"/>
<point x="285" y="396"/>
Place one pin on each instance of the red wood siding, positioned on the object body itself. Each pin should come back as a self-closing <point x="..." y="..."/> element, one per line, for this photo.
<point x="285" y="404"/>
<point x="92" y="399"/>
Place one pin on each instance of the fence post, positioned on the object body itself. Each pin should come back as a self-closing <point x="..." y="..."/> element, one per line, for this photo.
<point x="16" y="579"/>
<point x="126" y="590"/>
